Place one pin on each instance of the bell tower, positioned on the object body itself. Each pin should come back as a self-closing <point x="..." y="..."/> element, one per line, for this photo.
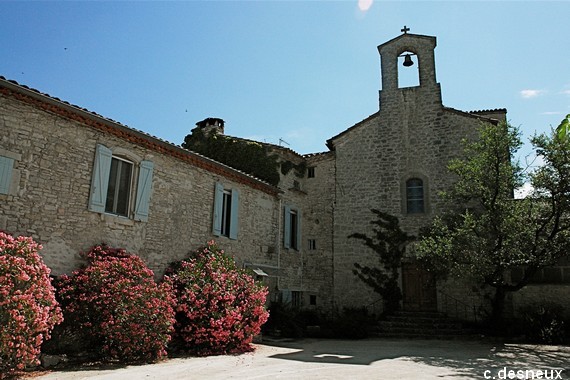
<point x="412" y="52"/>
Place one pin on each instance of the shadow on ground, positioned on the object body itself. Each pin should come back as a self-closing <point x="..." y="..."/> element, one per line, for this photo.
<point x="465" y="358"/>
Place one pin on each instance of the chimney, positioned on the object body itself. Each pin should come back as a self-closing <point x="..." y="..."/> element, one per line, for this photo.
<point x="211" y="125"/>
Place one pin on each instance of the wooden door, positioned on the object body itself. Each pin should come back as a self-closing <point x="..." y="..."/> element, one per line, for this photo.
<point x="418" y="287"/>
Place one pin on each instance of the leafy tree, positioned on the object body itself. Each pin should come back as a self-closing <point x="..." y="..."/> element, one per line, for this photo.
<point x="563" y="129"/>
<point x="389" y="242"/>
<point x="490" y="232"/>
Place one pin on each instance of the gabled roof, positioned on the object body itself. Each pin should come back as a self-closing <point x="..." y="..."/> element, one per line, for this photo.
<point x="472" y="114"/>
<point x="330" y="141"/>
<point x="93" y="120"/>
<point x="406" y="36"/>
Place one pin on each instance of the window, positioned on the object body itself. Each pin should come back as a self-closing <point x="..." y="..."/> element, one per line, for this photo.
<point x="313" y="300"/>
<point x="312" y="244"/>
<point x="112" y="185"/>
<point x="295" y="299"/>
<point x="292" y="228"/>
<point x="414" y="196"/>
<point x="311" y="172"/>
<point x="6" y="168"/>
<point x="226" y="203"/>
<point x="119" y="189"/>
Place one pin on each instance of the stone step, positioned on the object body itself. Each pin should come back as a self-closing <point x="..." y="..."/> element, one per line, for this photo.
<point x="421" y="330"/>
<point x="442" y="324"/>
<point x="431" y="325"/>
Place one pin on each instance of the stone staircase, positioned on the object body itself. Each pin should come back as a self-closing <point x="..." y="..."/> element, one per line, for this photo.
<point x="421" y="325"/>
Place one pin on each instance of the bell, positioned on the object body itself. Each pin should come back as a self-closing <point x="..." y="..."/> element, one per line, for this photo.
<point x="408" y="60"/>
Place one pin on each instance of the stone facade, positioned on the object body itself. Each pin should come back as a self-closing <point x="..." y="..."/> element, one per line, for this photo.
<point x="54" y="147"/>
<point x="296" y="233"/>
<point x="412" y="136"/>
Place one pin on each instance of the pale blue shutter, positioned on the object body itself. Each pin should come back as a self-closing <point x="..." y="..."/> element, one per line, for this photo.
<point x="287" y="228"/>
<point x="234" y="222"/>
<point x="100" y="180"/>
<point x="6" y="166"/>
<point x="144" y="188"/>
<point x="286" y="296"/>
<point x="218" y="205"/>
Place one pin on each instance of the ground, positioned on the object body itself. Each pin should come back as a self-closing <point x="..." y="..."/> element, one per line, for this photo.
<point x="354" y="359"/>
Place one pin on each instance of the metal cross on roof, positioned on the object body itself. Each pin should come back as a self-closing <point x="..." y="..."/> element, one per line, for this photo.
<point x="405" y="30"/>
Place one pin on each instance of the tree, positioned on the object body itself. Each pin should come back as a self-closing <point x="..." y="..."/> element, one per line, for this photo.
<point x="490" y="232"/>
<point x="389" y="243"/>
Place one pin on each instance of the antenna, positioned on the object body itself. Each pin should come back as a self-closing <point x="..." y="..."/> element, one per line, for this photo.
<point x="282" y="141"/>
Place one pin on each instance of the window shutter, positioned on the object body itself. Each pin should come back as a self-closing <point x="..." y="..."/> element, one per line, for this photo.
<point x="218" y="205"/>
<point x="286" y="296"/>
<point x="144" y="188"/>
<point x="287" y="228"/>
<point x="6" y="166"/>
<point x="234" y="222"/>
<point x="299" y="239"/>
<point x="100" y="180"/>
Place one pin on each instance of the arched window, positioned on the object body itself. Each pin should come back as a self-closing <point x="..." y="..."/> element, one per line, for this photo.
<point x="415" y="196"/>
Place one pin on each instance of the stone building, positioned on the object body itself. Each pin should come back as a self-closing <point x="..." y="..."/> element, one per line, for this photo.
<point x="72" y="178"/>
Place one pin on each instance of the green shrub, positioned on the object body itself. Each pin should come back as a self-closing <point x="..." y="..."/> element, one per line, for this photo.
<point x="543" y="323"/>
<point x="352" y="323"/>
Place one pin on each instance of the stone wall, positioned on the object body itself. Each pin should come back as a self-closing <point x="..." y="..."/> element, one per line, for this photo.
<point x="53" y="175"/>
<point x="318" y="227"/>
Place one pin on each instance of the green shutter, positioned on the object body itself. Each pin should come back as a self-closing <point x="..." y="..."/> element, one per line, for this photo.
<point x="6" y="166"/>
<point x="287" y="228"/>
<point x="234" y="222"/>
<point x="144" y="188"/>
<point x="100" y="180"/>
<point x="218" y="205"/>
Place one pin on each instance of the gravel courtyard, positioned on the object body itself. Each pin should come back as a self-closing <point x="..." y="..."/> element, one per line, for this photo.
<point x="363" y="359"/>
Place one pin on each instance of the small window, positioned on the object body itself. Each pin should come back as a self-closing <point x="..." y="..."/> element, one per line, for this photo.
<point x="415" y="196"/>
<point x="312" y="244"/>
<point x="311" y="172"/>
<point x="226" y="213"/>
<point x="295" y="298"/>
<point x="294" y="241"/>
<point x="296" y="185"/>
<point x="226" y="202"/>
<point x="313" y="300"/>
<point x="119" y="189"/>
<point x="292" y="228"/>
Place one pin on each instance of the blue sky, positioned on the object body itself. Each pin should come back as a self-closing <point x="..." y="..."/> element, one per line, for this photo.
<point x="301" y="71"/>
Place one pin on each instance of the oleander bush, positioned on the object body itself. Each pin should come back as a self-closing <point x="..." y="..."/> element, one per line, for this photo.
<point x="117" y="306"/>
<point x="220" y="308"/>
<point x="28" y="308"/>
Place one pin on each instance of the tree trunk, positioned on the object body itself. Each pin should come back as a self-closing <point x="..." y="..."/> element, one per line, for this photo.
<point x="498" y="305"/>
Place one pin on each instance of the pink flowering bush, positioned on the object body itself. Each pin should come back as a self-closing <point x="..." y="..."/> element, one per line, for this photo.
<point x="219" y="306"/>
<point x="28" y="309"/>
<point x="116" y="301"/>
